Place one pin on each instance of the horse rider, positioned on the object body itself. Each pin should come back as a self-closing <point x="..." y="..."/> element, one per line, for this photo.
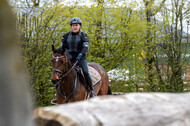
<point x="76" y="44"/>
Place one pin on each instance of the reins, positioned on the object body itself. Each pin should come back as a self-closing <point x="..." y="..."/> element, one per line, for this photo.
<point x="62" y="76"/>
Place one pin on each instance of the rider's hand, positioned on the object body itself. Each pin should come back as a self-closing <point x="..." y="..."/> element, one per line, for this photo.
<point x="79" y="56"/>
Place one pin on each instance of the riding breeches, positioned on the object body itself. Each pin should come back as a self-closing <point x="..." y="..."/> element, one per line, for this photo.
<point x="83" y="64"/>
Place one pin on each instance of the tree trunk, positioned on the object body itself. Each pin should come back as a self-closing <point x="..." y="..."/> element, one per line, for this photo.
<point x="150" y="58"/>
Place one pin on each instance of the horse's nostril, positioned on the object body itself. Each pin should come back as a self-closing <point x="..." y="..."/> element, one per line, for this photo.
<point x="55" y="81"/>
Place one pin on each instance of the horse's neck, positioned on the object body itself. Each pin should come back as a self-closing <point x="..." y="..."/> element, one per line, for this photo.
<point x="69" y="79"/>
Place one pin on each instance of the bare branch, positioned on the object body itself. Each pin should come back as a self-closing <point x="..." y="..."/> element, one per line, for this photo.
<point x="158" y="9"/>
<point x="27" y="3"/>
<point x="187" y="11"/>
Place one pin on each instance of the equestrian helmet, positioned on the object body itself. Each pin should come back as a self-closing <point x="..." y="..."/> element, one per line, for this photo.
<point x="76" y="20"/>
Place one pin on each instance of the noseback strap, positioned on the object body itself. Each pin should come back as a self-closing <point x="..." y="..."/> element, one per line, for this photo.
<point x="57" y="71"/>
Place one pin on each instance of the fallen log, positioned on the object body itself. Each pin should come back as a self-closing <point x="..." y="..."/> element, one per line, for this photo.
<point x="135" y="109"/>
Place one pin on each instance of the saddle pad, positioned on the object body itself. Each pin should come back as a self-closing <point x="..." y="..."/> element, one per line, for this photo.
<point x="94" y="75"/>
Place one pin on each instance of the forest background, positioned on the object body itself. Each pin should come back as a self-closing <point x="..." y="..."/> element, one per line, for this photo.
<point x="146" y="42"/>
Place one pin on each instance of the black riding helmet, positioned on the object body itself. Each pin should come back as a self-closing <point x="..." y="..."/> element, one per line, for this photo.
<point x="76" y="20"/>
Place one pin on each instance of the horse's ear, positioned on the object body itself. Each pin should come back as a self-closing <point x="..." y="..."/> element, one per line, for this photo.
<point x="53" y="49"/>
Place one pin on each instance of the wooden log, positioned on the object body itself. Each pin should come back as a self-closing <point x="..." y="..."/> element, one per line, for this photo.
<point x="135" y="109"/>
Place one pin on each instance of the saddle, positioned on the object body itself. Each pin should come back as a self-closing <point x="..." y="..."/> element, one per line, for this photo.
<point x="81" y="75"/>
<point x="95" y="76"/>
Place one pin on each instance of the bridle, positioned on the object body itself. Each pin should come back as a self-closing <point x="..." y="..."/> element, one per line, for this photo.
<point x="64" y="74"/>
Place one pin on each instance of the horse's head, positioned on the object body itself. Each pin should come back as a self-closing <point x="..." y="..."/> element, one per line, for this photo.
<point x="59" y="62"/>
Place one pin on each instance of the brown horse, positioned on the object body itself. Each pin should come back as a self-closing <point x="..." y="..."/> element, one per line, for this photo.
<point x="69" y="88"/>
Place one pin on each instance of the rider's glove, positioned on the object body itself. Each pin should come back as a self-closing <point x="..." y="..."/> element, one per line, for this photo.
<point x="79" y="56"/>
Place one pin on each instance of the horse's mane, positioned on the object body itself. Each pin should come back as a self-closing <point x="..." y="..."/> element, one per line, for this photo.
<point x="59" y="51"/>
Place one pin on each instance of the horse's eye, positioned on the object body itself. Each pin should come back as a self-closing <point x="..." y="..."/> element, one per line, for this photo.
<point x="61" y="61"/>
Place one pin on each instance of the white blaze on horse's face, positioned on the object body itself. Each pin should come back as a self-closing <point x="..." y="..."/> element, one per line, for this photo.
<point x="57" y="59"/>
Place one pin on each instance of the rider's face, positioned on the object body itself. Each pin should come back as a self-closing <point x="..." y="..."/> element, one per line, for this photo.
<point x="75" y="27"/>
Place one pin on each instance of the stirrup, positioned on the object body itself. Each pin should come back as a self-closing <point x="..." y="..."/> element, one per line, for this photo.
<point x="54" y="101"/>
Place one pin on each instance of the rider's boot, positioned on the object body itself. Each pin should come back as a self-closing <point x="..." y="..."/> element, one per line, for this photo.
<point x="89" y="82"/>
<point x="93" y="94"/>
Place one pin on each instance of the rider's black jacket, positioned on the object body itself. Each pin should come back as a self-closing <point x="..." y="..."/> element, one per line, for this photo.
<point x="75" y="43"/>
